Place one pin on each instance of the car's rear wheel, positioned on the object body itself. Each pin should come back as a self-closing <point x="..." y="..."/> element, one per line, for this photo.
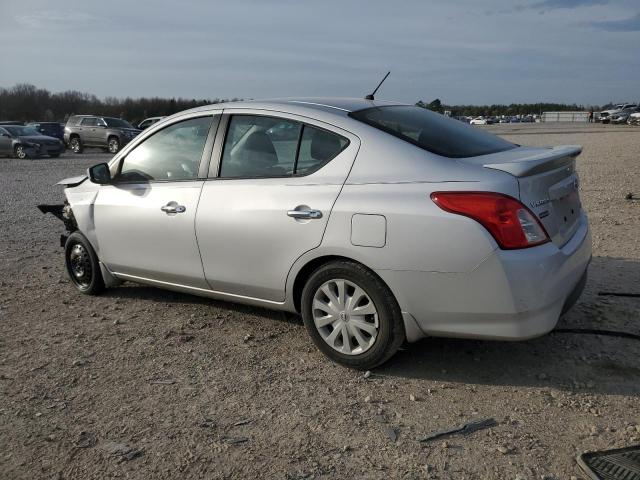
<point x="76" y="145"/>
<point x="113" y="145"/>
<point x="351" y="315"/>
<point x="20" y="152"/>
<point x="82" y="265"/>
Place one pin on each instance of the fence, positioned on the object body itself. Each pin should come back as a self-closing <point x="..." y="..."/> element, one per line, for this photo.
<point x="565" y="117"/>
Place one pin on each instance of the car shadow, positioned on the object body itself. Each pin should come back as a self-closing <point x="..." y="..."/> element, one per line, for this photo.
<point x="144" y="292"/>
<point x="567" y="361"/>
<point x="562" y="360"/>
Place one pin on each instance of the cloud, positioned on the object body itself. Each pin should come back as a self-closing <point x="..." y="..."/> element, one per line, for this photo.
<point x="51" y="18"/>
<point x="557" y="4"/>
<point x="625" y="25"/>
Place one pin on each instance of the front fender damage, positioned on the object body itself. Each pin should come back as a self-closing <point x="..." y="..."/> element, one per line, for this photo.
<point x="65" y="214"/>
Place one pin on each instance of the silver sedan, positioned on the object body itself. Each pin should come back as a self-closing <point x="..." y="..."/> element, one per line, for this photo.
<point x="378" y="222"/>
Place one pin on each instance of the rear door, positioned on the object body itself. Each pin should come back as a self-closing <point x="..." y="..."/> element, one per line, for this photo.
<point x="145" y="220"/>
<point x="269" y="198"/>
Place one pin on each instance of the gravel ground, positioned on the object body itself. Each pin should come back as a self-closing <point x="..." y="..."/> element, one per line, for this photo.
<point x="143" y="383"/>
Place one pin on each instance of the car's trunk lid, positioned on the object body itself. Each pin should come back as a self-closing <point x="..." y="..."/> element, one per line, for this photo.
<point x="548" y="185"/>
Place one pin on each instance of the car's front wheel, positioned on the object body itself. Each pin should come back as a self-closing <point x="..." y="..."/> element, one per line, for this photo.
<point x="82" y="265"/>
<point x="20" y="152"/>
<point x="113" y="145"/>
<point x="76" y="145"/>
<point x="351" y="315"/>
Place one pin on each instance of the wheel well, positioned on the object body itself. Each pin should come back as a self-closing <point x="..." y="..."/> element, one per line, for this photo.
<point x="306" y="271"/>
<point x="113" y="135"/>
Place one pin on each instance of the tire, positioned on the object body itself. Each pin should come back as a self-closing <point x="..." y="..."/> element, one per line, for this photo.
<point x="382" y="332"/>
<point x="113" y="145"/>
<point x="75" y="144"/>
<point x="54" y="155"/>
<point x="19" y="152"/>
<point x="82" y="265"/>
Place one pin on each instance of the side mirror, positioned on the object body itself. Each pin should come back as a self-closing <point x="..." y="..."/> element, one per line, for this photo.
<point x="100" y="174"/>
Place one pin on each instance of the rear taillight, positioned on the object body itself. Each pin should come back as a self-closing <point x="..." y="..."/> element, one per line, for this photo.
<point x="510" y="223"/>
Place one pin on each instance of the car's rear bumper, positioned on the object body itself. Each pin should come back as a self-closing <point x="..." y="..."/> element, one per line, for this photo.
<point x="511" y="295"/>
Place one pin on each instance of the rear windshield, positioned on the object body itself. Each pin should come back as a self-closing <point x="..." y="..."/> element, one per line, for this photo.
<point x="432" y="131"/>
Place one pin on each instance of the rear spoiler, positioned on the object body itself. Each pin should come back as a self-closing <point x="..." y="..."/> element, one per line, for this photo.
<point x="550" y="159"/>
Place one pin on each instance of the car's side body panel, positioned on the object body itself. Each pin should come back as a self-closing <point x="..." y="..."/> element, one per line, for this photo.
<point x="445" y="270"/>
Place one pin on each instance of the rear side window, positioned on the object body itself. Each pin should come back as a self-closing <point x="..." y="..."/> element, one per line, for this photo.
<point x="432" y="131"/>
<point x="261" y="147"/>
<point x="317" y="147"/>
<point x="88" y="122"/>
<point x="258" y="146"/>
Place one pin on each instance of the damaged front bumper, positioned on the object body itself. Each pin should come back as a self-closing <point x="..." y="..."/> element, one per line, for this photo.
<point x="65" y="214"/>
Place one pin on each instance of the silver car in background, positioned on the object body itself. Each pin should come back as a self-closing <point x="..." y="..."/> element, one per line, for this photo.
<point x="378" y="222"/>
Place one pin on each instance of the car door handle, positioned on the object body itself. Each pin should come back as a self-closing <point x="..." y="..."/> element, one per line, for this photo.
<point x="305" y="214"/>
<point x="173" y="208"/>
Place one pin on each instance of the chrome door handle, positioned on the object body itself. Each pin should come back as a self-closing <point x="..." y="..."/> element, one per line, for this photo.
<point x="172" y="208"/>
<point x="305" y="214"/>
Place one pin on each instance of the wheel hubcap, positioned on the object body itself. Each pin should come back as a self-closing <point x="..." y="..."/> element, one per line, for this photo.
<point x="113" y="146"/>
<point x="345" y="317"/>
<point x="75" y="145"/>
<point x="20" y="152"/>
<point x="80" y="264"/>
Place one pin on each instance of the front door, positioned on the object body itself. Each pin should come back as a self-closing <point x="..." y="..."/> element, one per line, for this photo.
<point x="5" y="142"/>
<point x="270" y="200"/>
<point x="145" y="220"/>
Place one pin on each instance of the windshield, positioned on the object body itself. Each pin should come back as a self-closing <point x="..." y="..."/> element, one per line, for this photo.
<point x="432" y="131"/>
<point x="21" y="131"/>
<point x="117" y="123"/>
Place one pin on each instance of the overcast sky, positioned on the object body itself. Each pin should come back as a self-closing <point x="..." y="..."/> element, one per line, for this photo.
<point x="461" y="51"/>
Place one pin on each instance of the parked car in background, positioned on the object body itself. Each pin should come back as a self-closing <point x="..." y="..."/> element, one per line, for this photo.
<point x="634" y="119"/>
<point x="479" y="121"/>
<point x="25" y="142"/>
<point x="147" y="122"/>
<point x="108" y="133"/>
<point x="622" y="116"/>
<point x="605" y="115"/>
<point x="11" y="122"/>
<point x="50" y="129"/>
<point x="462" y="234"/>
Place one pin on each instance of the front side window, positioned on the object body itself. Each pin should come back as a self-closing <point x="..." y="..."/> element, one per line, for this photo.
<point x="171" y="154"/>
<point x="432" y="131"/>
<point x="257" y="146"/>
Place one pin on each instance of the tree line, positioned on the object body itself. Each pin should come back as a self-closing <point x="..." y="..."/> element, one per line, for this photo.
<point x="508" y="110"/>
<point x="24" y="102"/>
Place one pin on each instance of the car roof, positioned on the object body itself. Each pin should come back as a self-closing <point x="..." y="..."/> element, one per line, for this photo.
<point x="333" y="105"/>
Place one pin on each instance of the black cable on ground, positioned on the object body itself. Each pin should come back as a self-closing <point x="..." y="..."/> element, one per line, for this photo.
<point x="591" y="331"/>
<point x="618" y="294"/>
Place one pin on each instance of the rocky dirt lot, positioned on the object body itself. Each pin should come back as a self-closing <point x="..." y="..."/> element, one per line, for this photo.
<point x="143" y="383"/>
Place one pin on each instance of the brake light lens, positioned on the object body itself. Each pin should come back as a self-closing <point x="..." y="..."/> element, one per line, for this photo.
<point x="510" y="223"/>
